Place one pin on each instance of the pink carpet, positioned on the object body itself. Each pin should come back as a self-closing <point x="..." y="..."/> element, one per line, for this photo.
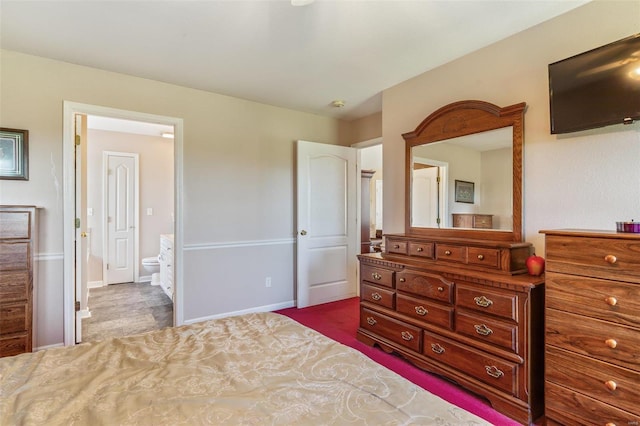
<point x="339" y="321"/>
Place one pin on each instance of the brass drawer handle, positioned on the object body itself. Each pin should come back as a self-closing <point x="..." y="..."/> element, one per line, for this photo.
<point x="483" y="301"/>
<point x="483" y="330"/>
<point x="611" y="301"/>
<point x="406" y="336"/>
<point x="611" y="343"/>
<point x="376" y="276"/>
<point x="493" y="371"/>
<point x="610" y="424"/>
<point x="402" y="280"/>
<point x="371" y="321"/>
<point x="376" y="296"/>
<point x="437" y="348"/>
<point x="447" y="252"/>
<point x="611" y="385"/>
<point x="481" y="257"/>
<point x="440" y="289"/>
<point x="421" y="310"/>
<point x="396" y="246"/>
<point x="611" y="259"/>
<point x="419" y="249"/>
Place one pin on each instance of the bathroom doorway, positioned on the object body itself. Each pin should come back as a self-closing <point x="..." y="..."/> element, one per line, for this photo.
<point x="111" y="274"/>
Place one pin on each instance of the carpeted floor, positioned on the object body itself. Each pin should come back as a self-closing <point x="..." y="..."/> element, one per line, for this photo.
<point x="339" y="321"/>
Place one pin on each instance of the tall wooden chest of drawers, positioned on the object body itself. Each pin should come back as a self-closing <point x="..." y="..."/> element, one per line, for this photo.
<point x="454" y="308"/>
<point x="592" y="351"/>
<point x="17" y="228"/>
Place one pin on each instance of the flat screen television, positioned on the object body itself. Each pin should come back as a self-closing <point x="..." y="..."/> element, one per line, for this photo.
<point x="596" y="88"/>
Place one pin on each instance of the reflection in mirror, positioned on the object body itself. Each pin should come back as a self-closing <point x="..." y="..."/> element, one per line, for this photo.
<point x="483" y="164"/>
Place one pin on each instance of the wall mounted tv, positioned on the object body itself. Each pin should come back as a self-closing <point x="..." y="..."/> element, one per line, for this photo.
<point x="596" y="88"/>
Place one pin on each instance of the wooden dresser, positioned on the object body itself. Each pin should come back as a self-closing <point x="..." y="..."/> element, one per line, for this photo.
<point x="17" y="229"/>
<point x="471" y="220"/>
<point x="592" y="354"/>
<point x="454" y="307"/>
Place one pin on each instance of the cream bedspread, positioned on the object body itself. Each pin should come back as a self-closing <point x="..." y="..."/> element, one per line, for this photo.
<point x="256" y="369"/>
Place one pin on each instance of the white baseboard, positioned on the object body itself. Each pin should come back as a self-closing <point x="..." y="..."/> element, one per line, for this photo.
<point x="144" y="279"/>
<point x="84" y="313"/>
<point x="42" y="348"/>
<point x="95" y="284"/>
<point x="266" y="308"/>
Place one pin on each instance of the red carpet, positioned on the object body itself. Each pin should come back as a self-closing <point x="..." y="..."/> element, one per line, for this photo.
<point x="339" y="321"/>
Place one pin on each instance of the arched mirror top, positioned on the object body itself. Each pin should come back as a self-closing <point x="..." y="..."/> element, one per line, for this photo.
<point x="448" y="145"/>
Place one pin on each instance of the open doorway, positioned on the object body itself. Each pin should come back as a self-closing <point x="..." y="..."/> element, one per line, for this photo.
<point x="123" y="201"/>
<point x="371" y="195"/>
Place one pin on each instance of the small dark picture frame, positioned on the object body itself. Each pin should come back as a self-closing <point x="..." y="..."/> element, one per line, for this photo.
<point x="464" y="192"/>
<point x="14" y="154"/>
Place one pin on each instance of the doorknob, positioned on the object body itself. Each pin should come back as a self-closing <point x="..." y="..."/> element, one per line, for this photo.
<point x="303" y="232"/>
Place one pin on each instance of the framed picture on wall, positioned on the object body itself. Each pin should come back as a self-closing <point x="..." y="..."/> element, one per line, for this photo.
<point x="464" y="191"/>
<point x="14" y="154"/>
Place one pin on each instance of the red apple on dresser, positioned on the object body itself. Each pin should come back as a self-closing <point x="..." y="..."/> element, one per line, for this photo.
<point x="535" y="265"/>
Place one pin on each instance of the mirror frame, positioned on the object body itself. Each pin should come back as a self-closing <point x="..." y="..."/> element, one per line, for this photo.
<point x="460" y="119"/>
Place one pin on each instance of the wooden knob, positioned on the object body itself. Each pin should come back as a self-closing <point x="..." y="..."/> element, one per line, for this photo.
<point x="611" y="343"/>
<point x="611" y="301"/>
<point x="611" y="259"/>
<point x="611" y="385"/>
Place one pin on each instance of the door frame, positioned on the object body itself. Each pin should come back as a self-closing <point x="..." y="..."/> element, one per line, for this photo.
<point x="443" y="187"/>
<point x="70" y="109"/>
<point x="136" y="212"/>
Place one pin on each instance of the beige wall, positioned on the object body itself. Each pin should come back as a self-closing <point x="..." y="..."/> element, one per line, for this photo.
<point x="589" y="179"/>
<point x="366" y="128"/>
<point x="238" y="181"/>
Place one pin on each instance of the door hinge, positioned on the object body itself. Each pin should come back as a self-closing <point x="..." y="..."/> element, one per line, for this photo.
<point x="438" y="179"/>
<point x="77" y="139"/>
<point x="77" y="223"/>
<point x="107" y="266"/>
<point x="77" y="306"/>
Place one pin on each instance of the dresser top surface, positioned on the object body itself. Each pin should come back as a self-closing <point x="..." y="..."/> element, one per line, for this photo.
<point x="594" y="233"/>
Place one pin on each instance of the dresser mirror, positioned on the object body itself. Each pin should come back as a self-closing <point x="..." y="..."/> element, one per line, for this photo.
<point x="464" y="172"/>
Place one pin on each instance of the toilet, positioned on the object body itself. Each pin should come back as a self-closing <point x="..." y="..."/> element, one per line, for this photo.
<point x="152" y="266"/>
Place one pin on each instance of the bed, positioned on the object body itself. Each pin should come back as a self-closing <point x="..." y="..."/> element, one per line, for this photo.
<point x="254" y="369"/>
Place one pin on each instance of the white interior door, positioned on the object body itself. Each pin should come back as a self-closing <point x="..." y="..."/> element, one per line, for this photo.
<point x="121" y="179"/>
<point x="425" y="197"/>
<point x="327" y="223"/>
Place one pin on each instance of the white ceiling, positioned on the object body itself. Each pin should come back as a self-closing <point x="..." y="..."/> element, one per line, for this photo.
<point x="297" y="57"/>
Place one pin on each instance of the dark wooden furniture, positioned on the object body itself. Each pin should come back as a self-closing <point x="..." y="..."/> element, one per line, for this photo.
<point x="592" y="367"/>
<point x="17" y="229"/>
<point x="455" y="301"/>
<point x="472" y="220"/>
<point x="365" y="211"/>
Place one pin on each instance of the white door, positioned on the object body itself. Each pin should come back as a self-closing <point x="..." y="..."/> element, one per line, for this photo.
<point x="425" y="198"/>
<point x="120" y="206"/>
<point x="327" y="223"/>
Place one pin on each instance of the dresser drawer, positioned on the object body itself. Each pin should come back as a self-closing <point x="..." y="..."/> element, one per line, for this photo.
<point x="396" y="246"/>
<point x="571" y="408"/>
<point x="392" y="329"/>
<point x="13" y="317"/>
<point x="378" y="295"/>
<point x="595" y="338"/>
<point x="379" y="276"/>
<point x="607" y="300"/>
<point x="14" y="345"/>
<point x="502" y="304"/>
<point x="487" y="329"/>
<point x="610" y="384"/>
<point x="15" y="225"/>
<point x="14" y="256"/>
<point x="421" y="250"/>
<point x="426" y="311"/>
<point x="14" y="285"/>
<point x="609" y="258"/>
<point x="483" y="257"/>
<point x="484" y="367"/>
<point x="432" y="286"/>
<point x="451" y="253"/>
